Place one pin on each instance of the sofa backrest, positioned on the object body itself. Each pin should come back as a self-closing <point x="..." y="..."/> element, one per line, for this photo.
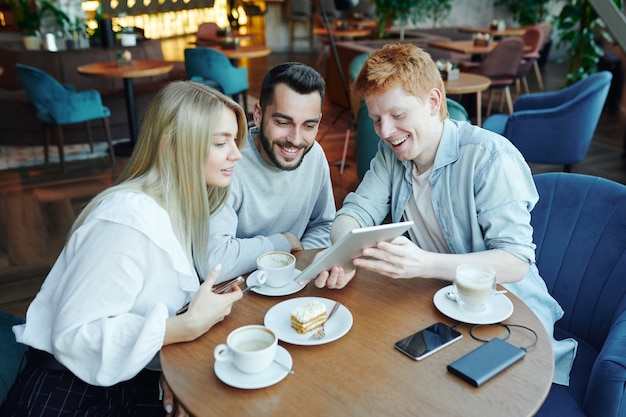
<point x="62" y="65"/>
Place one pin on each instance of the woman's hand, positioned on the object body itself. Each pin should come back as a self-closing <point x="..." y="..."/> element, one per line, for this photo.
<point x="205" y="310"/>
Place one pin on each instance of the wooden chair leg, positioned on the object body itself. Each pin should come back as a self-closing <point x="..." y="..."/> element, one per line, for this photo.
<point x="525" y="82"/>
<point x="509" y="101"/>
<point x="490" y="102"/>
<point x="538" y="74"/>
<point x="107" y="131"/>
<point x="60" y="139"/>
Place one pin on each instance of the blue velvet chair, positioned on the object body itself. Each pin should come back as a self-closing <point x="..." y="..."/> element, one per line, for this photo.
<point x="367" y="139"/>
<point x="11" y="352"/>
<point x="579" y="228"/>
<point x="58" y="105"/>
<point x="555" y="127"/>
<point x="211" y="67"/>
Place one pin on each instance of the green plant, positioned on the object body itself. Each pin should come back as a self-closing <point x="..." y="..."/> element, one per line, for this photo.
<point x="57" y="15"/>
<point x="26" y="14"/>
<point x="438" y="10"/>
<point x="578" y="27"/>
<point x="404" y="12"/>
<point x="526" y="12"/>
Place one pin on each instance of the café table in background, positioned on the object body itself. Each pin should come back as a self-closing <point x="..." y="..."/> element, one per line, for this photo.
<point x="361" y="373"/>
<point x="243" y="52"/>
<point x="498" y="33"/>
<point x="467" y="47"/>
<point x="468" y="84"/>
<point x="137" y="69"/>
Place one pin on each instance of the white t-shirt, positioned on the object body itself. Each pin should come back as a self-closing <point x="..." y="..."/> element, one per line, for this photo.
<point x="426" y="232"/>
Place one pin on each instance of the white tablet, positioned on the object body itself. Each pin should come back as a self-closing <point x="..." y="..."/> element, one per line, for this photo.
<point x="350" y="246"/>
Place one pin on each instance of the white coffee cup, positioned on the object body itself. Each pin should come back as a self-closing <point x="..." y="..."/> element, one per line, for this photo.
<point x="252" y="348"/>
<point x="474" y="283"/>
<point x="276" y="268"/>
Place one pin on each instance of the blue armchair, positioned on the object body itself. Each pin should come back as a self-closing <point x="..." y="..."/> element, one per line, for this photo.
<point x="11" y="354"/>
<point x="59" y="105"/>
<point x="211" y="67"/>
<point x="555" y="127"/>
<point x="579" y="225"/>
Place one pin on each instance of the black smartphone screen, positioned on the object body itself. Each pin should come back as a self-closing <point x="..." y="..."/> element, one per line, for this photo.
<point x="428" y="341"/>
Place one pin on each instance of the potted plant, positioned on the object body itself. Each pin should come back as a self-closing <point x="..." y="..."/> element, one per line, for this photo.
<point x="28" y="18"/>
<point x="526" y="12"/>
<point x="579" y="27"/>
<point x="402" y="11"/>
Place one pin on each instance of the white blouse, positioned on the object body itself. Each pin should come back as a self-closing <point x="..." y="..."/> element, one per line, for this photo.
<point x="102" y="308"/>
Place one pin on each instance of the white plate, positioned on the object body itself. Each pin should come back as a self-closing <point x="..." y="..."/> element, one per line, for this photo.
<point x="291" y="288"/>
<point x="278" y="318"/>
<point x="231" y="375"/>
<point x="499" y="308"/>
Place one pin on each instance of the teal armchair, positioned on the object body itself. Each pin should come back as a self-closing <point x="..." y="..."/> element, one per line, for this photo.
<point x="211" y="67"/>
<point x="12" y="353"/>
<point x="58" y="105"/>
<point x="555" y="127"/>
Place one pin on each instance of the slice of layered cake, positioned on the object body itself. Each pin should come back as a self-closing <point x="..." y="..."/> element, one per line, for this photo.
<point x="309" y="316"/>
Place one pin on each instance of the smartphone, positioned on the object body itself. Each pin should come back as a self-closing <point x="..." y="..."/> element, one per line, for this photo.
<point x="428" y="341"/>
<point x="222" y="289"/>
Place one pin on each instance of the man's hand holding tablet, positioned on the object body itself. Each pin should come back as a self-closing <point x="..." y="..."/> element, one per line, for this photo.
<point x="333" y="267"/>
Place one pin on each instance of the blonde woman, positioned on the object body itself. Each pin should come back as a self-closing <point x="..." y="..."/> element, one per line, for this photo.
<point x="131" y="261"/>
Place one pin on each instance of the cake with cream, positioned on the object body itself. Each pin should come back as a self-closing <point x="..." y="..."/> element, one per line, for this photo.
<point x="309" y="316"/>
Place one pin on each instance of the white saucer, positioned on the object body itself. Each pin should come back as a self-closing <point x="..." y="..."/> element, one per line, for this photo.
<point x="291" y="288"/>
<point x="278" y="318"/>
<point x="230" y="375"/>
<point x="500" y="308"/>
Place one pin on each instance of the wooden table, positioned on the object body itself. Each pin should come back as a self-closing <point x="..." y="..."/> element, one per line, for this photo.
<point x="362" y="374"/>
<point x="138" y="69"/>
<point x="252" y="51"/>
<point x="468" y="47"/>
<point x="494" y="32"/>
<point x="463" y="47"/>
<point x="467" y="84"/>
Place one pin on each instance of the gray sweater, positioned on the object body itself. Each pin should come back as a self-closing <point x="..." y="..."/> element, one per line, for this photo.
<point x="266" y="201"/>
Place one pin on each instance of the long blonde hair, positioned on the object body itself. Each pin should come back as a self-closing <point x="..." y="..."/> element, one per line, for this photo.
<point x="169" y="160"/>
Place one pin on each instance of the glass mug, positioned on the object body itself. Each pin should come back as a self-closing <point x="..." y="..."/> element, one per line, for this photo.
<point x="474" y="284"/>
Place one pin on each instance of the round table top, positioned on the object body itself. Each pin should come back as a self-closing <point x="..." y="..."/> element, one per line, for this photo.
<point x="252" y="51"/>
<point x="467" y="83"/>
<point x="344" y="33"/>
<point x="361" y="374"/>
<point x="138" y="68"/>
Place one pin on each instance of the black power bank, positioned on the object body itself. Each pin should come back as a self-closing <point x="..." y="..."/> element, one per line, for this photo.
<point x="486" y="361"/>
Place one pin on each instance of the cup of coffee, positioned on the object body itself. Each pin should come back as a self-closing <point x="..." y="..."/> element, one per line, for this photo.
<point x="474" y="283"/>
<point x="252" y="348"/>
<point x="276" y="268"/>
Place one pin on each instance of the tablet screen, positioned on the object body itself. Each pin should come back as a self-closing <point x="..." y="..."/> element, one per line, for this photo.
<point x="350" y="246"/>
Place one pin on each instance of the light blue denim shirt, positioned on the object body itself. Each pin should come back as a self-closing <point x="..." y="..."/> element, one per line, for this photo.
<point x="482" y="194"/>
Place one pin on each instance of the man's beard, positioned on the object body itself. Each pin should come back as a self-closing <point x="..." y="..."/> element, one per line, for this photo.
<point x="267" y="147"/>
